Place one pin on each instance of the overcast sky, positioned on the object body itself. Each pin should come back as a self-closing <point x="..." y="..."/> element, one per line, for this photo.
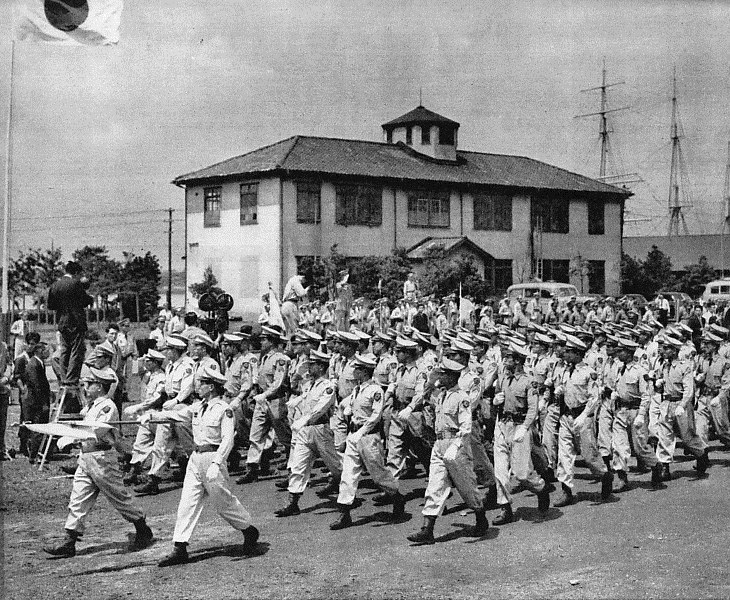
<point x="102" y="131"/>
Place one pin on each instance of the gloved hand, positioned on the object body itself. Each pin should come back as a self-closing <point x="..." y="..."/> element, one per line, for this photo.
<point x="145" y="418"/>
<point x="679" y="411"/>
<point x="452" y="451"/>
<point x="498" y="399"/>
<point x="541" y="405"/>
<point x="639" y="420"/>
<point x="559" y="391"/>
<point x="520" y="432"/>
<point x="213" y="472"/>
<point x="405" y="413"/>
<point x="699" y="377"/>
<point x="715" y="402"/>
<point x="615" y="396"/>
<point x="169" y="404"/>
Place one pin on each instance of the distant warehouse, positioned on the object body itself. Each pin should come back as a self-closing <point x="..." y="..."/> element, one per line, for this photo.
<point x="253" y="217"/>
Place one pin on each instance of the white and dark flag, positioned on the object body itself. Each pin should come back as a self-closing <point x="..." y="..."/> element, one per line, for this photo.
<point x="71" y="22"/>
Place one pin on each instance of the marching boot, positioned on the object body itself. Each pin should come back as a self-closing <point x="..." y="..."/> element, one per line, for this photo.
<point x="566" y="499"/>
<point x="425" y="535"/>
<point x="666" y="475"/>
<point x="624" y="479"/>
<point x="382" y="499"/>
<point x="150" y="488"/>
<point x="265" y="465"/>
<point x="182" y="465"/>
<point x="143" y="538"/>
<point x="133" y="477"/>
<point x="505" y="516"/>
<point x="607" y="486"/>
<point x="399" y="506"/>
<point x="543" y="498"/>
<point x="490" y="498"/>
<point x="656" y="475"/>
<point x="250" y="539"/>
<point x="234" y="461"/>
<point x="178" y="556"/>
<point x="345" y="519"/>
<point x="332" y="487"/>
<point x="703" y="462"/>
<point x="282" y="485"/>
<point x="291" y="509"/>
<point x="251" y="476"/>
<point x="65" y="549"/>
<point x="482" y="524"/>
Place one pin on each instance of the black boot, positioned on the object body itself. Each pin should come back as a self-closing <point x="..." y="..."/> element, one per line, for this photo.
<point x="666" y="475"/>
<point x="333" y="487"/>
<point x="291" y="509"/>
<point x="250" y="539"/>
<point x="399" y="506"/>
<point x="345" y="519"/>
<point x="703" y="462"/>
<point x="505" y="516"/>
<point x="624" y="479"/>
<point x="65" y="549"/>
<point x="482" y="524"/>
<point x="265" y="465"/>
<point x="656" y="475"/>
<point x="143" y="538"/>
<point x="490" y="498"/>
<point x="543" y="498"/>
<point x="179" y="556"/>
<point x="150" y="488"/>
<point x="607" y="485"/>
<point x="251" y="476"/>
<point x="382" y="499"/>
<point x="425" y="535"/>
<point x="282" y="485"/>
<point x="133" y="477"/>
<point x="566" y="499"/>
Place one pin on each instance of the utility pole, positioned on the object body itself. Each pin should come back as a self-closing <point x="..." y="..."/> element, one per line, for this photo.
<point x="169" y="256"/>
<point x="726" y="216"/>
<point x="676" y="216"/>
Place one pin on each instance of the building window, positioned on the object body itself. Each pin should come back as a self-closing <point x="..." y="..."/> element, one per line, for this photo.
<point x="309" y="204"/>
<point x="429" y="208"/>
<point x="556" y="270"/>
<point x="389" y="136"/>
<point x="358" y="205"/>
<point x="446" y="135"/>
<point x="498" y="273"/>
<point x="249" y="203"/>
<point x="596" y="221"/>
<point x="425" y="135"/>
<point x="493" y="212"/>
<point x="551" y="214"/>
<point x="212" y="206"/>
<point x="597" y="277"/>
<point x="409" y="134"/>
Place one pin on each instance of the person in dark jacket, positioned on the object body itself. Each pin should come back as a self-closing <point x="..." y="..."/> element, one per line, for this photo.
<point x="38" y="399"/>
<point x="68" y="298"/>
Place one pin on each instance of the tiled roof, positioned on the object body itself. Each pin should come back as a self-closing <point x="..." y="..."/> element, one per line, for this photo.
<point x="422" y="248"/>
<point x="334" y="156"/>
<point x="419" y="115"/>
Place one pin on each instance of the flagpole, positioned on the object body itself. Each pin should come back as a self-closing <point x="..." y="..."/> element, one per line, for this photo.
<point x="8" y="188"/>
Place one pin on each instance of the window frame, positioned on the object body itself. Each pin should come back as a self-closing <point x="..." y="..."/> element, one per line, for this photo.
<point x="555" y="213"/>
<point x="302" y="216"/>
<point x="596" y="223"/>
<point x="242" y="214"/>
<point x="425" y="135"/>
<point x="550" y="264"/>
<point x="491" y="206"/>
<point x="366" y="200"/>
<point x="212" y="217"/>
<point x="595" y="267"/>
<point x="432" y="204"/>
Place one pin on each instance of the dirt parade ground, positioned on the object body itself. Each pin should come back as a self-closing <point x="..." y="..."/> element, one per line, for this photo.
<point x="668" y="543"/>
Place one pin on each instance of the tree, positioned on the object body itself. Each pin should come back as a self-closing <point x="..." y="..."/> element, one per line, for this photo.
<point x="140" y="278"/>
<point x="696" y="276"/>
<point x="104" y="273"/>
<point x="631" y="275"/>
<point x="442" y="275"/>
<point x="209" y="285"/>
<point x="34" y="271"/>
<point x="657" y="272"/>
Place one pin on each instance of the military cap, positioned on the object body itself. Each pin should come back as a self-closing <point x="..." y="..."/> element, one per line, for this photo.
<point x="465" y="336"/>
<point x="575" y="343"/>
<point x="105" y="348"/>
<point x="232" y="338"/>
<point x="154" y="355"/>
<point x="450" y="366"/>
<point x="560" y="338"/>
<point x="212" y="376"/>
<point x="203" y="340"/>
<point x="175" y="343"/>
<point x="383" y="337"/>
<point x="719" y="329"/>
<point x="517" y="350"/>
<point x="684" y="327"/>
<point x="481" y="339"/>
<point x="245" y="335"/>
<point x="232" y="388"/>
<point x="461" y="346"/>
<point x="422" y="338"/>
<point x="361" y="335"/>
<point x="299" y="338"/>
<point x="347" y="337"/>
<point x="565" y="328"/>
<point x="365" y="361"/>
<point x="403" y="343"/>
<point x="627" y="344"/>
<point x="320" y="357"/>
<point x="100" y="376"/>
<point x="668" y="340"/>
<point x="270" y="332"/>
<point x="711" y="337"/>
<point x="313" y="336"/>
<point x="543" y="338"/>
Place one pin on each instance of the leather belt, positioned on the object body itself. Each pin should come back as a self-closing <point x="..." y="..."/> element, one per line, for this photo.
<point x="709" y="390"/>
<point x="573" y="412"/>
<point x="514" y="417"/>
<point x="446" y="435"/>
<point x="206" y="448"/>
<point x="353" y="427"/>
<point x="672" y="398"/>
<point x="630" y="404"/>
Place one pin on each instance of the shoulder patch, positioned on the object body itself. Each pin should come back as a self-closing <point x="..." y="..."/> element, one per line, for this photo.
<point x="253" y="360"/>
<point x="281" y="362"/>
<point x="329" y="390"/>
<point x="377" y="396"/>
<point x="188" y="371"/>
<point x="465" y="403"/>
<point x="106" y="409"/>
<point x="229" y="413"/>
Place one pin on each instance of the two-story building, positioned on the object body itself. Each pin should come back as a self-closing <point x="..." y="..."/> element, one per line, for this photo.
<point x="253" y="217"/>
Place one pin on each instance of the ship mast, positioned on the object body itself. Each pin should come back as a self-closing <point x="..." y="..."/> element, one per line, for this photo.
<point x="676" y="216"/>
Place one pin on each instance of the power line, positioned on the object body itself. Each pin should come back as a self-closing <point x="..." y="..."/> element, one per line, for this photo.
<point x="96" y="225"/>
<point x="94" y="215"/>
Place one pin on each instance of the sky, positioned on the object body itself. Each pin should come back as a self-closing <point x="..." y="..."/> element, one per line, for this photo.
<point x="99" y="133"/>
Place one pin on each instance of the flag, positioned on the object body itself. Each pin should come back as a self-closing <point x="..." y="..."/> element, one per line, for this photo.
<point x="69" y="22"/>
<point x="275" y="317"/>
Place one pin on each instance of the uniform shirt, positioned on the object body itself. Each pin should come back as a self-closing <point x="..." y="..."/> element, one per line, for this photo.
<point x="470" y="382"/>
<point x="100" y="410"/>
<point x="630" y="383"/>
<point x="453" y="413"/>
<point x="687" y="351"/>
<point x="520" y="397"/>
<point x="179" y="378"/>
<point x="385" y="370"/>
<point x="405" y="384"/>
<point x="272" y="372"/>
<point x="299" y="373"/>
<point x="678" y="381"/>
<point x="253" y="364"/>
<point x="238" y="373"/>
<point x="596" y="357"/>
<point x="364" y="406"/>
<point x="213" y="423"/>
<point x="717" y="375"/>
<point x="611" y="373"/>
<point x="153" y="389"/>
<point x="581" y="386"/>
<point x="346" y="380"/>
<point x="317" y="401"/>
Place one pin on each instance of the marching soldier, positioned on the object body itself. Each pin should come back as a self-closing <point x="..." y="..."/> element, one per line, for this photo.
<point x="713" y="375"/>
<point x="213" y="427"/>
<point x="608" y="375"/>
<point x="239" y="375"/>
<point x="516" y="399"/>
<point x="451" y="458"/>
<point x="312" y="436"/>
<point x="363" y="409"/>
<point x="98" y="471"/>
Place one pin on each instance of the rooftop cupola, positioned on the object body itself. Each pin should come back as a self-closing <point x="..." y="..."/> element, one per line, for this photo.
<point x="424" y="131"/>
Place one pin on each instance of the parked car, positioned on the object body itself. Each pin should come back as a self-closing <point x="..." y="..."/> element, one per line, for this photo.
<point x="546" y="291"/>
<point x="717" y="291"/>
